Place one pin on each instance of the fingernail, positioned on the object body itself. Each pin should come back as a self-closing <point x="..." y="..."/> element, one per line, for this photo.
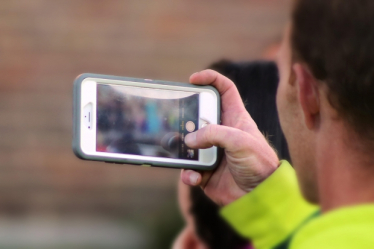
<point x="193" y="178"/>
<point x="190" y="138"/>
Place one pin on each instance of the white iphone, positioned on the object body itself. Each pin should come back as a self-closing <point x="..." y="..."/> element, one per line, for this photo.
<point x="142" y="121"/>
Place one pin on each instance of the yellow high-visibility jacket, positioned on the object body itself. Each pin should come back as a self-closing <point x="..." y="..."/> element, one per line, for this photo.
<point x="275" y="215"/>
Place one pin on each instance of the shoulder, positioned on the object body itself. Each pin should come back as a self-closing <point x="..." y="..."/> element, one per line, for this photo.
<point x="350" y="227"/>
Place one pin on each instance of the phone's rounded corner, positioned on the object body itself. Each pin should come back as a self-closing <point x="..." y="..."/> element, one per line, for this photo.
<point x="213" y="89"/>
<point x="214" y="166"/>
<point x="82" y="76"/>
<point x="79" y="79"/>
<point x="78" y="152"/>
<point x="217" y="161"/>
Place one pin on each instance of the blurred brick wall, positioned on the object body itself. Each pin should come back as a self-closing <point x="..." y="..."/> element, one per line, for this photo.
<point x="45" y="44"/>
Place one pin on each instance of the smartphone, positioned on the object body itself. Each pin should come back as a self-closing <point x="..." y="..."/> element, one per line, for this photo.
<point x="141" y="121"/>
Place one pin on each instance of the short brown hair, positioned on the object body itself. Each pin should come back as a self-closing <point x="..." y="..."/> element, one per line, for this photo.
<point x="335" y="38"/>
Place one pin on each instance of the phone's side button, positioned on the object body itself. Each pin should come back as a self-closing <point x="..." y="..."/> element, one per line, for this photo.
<point x="146" y="165"/>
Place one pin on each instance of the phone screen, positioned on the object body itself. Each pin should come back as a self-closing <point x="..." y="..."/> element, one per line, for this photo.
<point x="146" y="121"/>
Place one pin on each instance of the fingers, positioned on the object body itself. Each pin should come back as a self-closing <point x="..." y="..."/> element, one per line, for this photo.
<point x="190" y="177"/>
<point x="225" y="137"/>
<point x="227" y="89"/>
<point x="194" y="178"/>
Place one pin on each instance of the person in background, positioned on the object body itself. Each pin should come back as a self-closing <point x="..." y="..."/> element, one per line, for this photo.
<point x="204" y="228"/>
<point x="257" y="83"/>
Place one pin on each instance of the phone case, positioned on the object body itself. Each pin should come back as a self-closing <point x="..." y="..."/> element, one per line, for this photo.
<point x="77" y="114"/>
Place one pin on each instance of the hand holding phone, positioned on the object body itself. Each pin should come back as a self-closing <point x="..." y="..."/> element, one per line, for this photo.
<point x="141" y="121"/>
<point x="248" y="158"/>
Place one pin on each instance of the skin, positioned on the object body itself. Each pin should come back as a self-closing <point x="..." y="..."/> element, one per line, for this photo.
<point x="294" y="122"/>
<point x="332" y="167"/>
<point x="248" y="158"/>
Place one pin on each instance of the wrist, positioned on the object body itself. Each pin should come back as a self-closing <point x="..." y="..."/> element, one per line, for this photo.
<point x="247" y="184"/>
<point x="232" y="196"/>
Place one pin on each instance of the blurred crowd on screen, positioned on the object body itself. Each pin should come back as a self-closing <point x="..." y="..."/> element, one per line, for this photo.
<point x="133" y="124"/>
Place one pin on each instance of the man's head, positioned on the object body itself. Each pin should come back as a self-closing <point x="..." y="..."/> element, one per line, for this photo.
<point x="326" y="73"/>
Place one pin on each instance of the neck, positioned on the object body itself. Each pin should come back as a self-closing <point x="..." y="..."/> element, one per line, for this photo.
<point x="345" y="174"/>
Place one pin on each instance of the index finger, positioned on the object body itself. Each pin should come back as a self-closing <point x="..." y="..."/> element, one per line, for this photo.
<point x="229" y="93"/>
<point x="194" y="178"/>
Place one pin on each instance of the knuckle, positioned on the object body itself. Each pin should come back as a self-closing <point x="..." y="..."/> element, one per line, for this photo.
<point x="210" y="134"/>
<point x="211" y="71"/>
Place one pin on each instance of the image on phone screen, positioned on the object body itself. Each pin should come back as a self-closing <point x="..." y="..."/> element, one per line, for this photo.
<point x="146" y="121"/>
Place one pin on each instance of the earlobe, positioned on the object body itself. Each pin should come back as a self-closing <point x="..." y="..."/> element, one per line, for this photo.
<point x="308" y="94"/>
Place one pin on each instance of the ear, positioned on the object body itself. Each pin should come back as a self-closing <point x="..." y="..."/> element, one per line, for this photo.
<point x="308" y="94"/>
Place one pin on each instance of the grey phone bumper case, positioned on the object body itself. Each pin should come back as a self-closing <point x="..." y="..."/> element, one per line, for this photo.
<point x="77" y="114"/>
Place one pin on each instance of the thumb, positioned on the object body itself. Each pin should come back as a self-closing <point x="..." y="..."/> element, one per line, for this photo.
<point x="215" y="135"/>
